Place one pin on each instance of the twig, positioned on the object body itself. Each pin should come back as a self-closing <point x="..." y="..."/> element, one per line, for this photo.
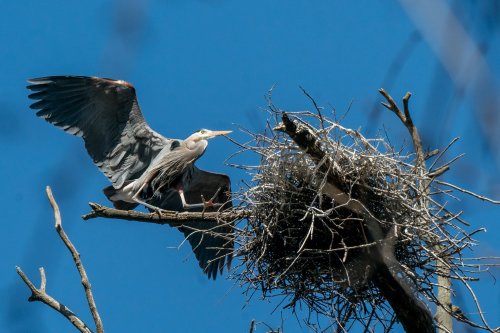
<point x="318" y="109"/>
<point x="252" y="326"/>
<point x="475" y="195"/>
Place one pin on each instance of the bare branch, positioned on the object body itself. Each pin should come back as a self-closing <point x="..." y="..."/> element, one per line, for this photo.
<point x="172" y="218"/>
<point x="408" y="122"/>
<point x="318" y="109"/>
<point x="475" y="195"/>
<point x="41" y="296"/>
<point x="76" y="258"/>
<point x="252" y="326"/>
<point x="443" y="311"/>
<point x="438" y="172"/>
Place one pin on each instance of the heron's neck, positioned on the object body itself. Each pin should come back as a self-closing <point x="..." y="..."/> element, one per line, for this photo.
<point x="197" y="147"/>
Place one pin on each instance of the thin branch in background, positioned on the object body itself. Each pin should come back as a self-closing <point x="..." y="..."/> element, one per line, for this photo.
<point x="463" y="59"/>
<point x="392" y="73"/>
<point x="39" y="294"/>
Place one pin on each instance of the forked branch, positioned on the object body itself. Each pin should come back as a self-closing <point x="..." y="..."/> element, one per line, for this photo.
<point x="408" y="122"/>
<point x="39" y="294"/>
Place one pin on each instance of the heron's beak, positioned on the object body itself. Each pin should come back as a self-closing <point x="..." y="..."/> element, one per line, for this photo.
<point x="217" y="133"/>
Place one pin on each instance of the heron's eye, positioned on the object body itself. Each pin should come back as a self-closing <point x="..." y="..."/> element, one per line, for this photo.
<point x="175" y="144"/>
<point x="203" y="131"/>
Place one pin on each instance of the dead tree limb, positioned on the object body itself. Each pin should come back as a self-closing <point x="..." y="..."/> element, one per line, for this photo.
<point x="412" y="313"/>
<point x="444" y="308"/>
<point x="39" y="294"/>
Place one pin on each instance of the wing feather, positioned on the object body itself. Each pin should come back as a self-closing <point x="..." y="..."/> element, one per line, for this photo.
<point x="106" y="114"/>
<point x="211" y="242"/>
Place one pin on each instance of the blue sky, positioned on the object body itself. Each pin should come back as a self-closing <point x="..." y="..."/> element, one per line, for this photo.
<point x="204" y="64"/>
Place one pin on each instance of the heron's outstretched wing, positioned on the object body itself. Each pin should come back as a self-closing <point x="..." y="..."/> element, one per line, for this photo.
<point x="106" y="114"/>
<point x="212" y="242"/>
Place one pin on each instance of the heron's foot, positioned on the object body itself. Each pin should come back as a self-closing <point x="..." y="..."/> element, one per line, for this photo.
<point x="212" y="199"/>
<point x="207" y="204"/>
<point x="210" y="203"/>
<point x="157" y="210"/>
<point x="203" y="205"/>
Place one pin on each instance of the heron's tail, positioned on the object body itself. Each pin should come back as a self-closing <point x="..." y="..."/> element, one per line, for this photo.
<point x="115" y="195"/>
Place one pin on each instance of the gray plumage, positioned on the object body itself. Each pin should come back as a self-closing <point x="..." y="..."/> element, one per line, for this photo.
<point x="142" y="165"/>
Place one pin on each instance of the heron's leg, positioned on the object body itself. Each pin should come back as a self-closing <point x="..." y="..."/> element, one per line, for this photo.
<point x="135" y="197"/>
<point x="185" y="205"/>
<point x="204" y="205"/>
<point x="154" y="208"/>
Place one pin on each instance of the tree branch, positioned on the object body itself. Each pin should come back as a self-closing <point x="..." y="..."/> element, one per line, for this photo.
<point x="443" y="310"/>
<point x="408" y="122"/>
<point x="76" y="258"/>
<point x="172" y="218"/>
<point x="40" y="294"/>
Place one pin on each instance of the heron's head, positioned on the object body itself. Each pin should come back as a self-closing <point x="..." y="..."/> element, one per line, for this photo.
<point x="205" y="134"/>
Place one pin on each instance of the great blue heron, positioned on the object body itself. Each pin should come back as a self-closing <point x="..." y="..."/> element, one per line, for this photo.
<point x="143" y="166"/>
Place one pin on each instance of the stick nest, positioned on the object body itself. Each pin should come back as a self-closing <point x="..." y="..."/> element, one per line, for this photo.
<point x="313" y="247"/>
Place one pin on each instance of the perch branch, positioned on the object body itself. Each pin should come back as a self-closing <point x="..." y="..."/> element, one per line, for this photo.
<point x="172" y="218"/>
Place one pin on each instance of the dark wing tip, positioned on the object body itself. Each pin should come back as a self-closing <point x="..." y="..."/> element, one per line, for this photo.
<point x="37" y="81"/>
<point x="43" y="87"/>
<point x="38" y="84"/>
<point x="45" y="80"/>
<point x="211" y="269"/>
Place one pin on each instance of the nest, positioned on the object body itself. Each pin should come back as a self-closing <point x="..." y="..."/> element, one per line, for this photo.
<point x="317" y="248"/>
